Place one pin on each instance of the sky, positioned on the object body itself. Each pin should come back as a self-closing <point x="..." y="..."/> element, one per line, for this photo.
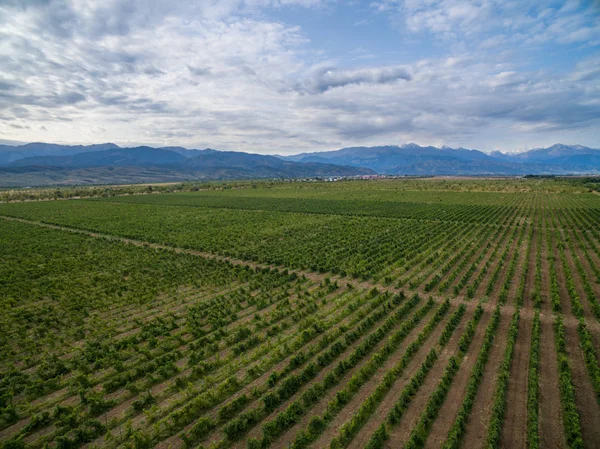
<point x="290" y="76"/>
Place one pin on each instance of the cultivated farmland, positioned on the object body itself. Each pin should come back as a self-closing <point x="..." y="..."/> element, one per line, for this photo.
<point x="354" y="314"/>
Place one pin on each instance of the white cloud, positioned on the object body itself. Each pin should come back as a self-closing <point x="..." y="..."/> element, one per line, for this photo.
<point x="524" y="22"/>
<point x="223" y="74"/>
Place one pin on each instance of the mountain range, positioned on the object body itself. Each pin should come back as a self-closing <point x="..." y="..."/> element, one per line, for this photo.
<point x="412" y="159"/>
<point x="51" y="164"/>
<point x="39" y="164"/>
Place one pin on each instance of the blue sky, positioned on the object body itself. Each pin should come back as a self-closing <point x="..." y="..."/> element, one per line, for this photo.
<point x="287" y="76"/>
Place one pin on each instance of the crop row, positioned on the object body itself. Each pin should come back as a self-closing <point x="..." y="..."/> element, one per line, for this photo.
<point x="571" y="418"/>
<point x="459" y="426"/>
<point x="500" y="395"/>
<point x="420" y="432"/>
<point x="202" y="401"/>
<point x="349" y="429"/>
<point x="355" y="246"/>
<point x="273" y="428"/>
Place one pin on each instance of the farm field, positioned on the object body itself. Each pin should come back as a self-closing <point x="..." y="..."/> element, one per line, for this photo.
<point x="355" y="314"/>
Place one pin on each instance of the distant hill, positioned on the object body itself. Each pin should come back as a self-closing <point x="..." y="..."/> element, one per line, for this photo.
<point x="10" y="153"/>
<point x="412" y="159"/>
<point x="146" y="164"/>
<point x="558" y="154"/>
<point x="121" y="157"/>
<point x="43" y="164"/>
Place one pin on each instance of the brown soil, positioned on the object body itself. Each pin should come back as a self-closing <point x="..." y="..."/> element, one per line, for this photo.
<point x="400" y="433"/>
<point x="454" y="400"/>
<point x="480" y="292"/>
<point x="514" y="429"/>
<point x="550" y="409"/>
<point x="476" y="429"/>
<point x="11" y="430"/>
<point x="380" y="412"/>
<point x="321" y="406"/>
<point x="176" y="441"/>
<point x="585" y="397"/>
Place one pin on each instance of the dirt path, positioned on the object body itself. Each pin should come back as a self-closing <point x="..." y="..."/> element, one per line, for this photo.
<point x="550" y="418"/>
<point x="400" y="433"/>
<point x="312" y="276"/>
<point x="381" y="411"/>
<point x="476" y="429"/>
<point x="454" y="400"/>
<point x="585" y="397"/>
<point x="514" y="429"/>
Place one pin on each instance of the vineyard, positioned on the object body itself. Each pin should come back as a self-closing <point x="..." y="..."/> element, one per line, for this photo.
<point x="354" y="314"/>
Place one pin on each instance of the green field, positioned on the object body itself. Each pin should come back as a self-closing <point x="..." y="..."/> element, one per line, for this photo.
<point x="389" y="313"/>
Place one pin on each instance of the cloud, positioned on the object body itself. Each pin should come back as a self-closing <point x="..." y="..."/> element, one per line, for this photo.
<point x="326" y="78"/>
<point x="229" y="74"/>
<point x="526" y="22"/>
<point x="70" y="98"/>
<point x="199" y="71"/>
<point x="464" y="103"/>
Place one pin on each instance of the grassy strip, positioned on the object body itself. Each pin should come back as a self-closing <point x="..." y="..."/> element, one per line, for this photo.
<point x="533" y="386"/>
<point x="497" y="418"/>
<point x="566" y="387"/>
<point x="571" y="417"/>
